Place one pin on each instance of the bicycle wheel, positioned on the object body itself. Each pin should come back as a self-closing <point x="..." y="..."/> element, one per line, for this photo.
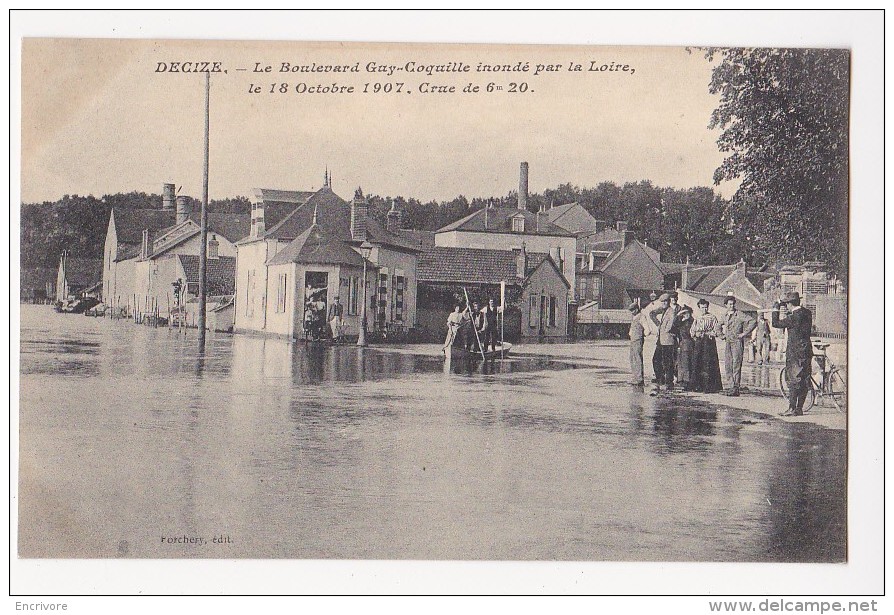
<point x="838" y="390"/>
<point x="809" y="399"/>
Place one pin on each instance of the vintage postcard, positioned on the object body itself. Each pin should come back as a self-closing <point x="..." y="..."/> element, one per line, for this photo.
<point x="288" y="300"/>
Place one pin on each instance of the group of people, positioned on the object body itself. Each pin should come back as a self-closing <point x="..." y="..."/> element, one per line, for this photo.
<point x="686" y="345"/>
<point x="320" y="322"/>
<point x="475" y="329"/>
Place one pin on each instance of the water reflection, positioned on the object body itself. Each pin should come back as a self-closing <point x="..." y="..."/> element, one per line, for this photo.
<point x="311" y="450"/>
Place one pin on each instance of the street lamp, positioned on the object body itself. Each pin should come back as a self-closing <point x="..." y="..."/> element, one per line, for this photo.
<point x="365" y="251"/>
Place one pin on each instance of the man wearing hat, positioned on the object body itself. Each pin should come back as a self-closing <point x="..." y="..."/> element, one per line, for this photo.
<point x="664" y="316"/>
<point x="637" y="337"/>
<point x="799" y="353"/>
<point x="736" y="327"/>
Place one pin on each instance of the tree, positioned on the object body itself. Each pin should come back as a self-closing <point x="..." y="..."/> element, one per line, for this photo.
<point x="784" y="117"/>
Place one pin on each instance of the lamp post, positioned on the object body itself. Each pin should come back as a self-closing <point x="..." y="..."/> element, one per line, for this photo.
<point x="365" y="251"/>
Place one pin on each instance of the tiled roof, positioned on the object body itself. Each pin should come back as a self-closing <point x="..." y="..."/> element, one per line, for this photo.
<point x="230" y="226"/>
<point x="421" y="239"/>
<point x="130" y="223"/>
<point x="498" y="220"/>
<point x="317" y="246"/>
<point x="83" y="271"/>
<point x="741" y="304"/>
<point x="295" y="197"/>
<point x="472" y="265"/>
<point x="334" y="215"/>
<point x="221" y="273"/>
<point x="705" y="279"/>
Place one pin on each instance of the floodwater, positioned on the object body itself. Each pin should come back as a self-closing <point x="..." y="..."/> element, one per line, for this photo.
<point x="134" y="445"/>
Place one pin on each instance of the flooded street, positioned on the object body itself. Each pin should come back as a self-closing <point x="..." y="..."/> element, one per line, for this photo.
<point x="133" y="445"/>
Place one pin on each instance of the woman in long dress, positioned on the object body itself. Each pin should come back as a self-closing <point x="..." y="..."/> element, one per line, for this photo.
<point x="705" y="365"/>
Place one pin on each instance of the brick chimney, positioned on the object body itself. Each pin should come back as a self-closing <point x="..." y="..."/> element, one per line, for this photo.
<point x="213" y="247"/>
<point x="257" y="218"/>
<point x="394" y="218"/>
<point x="183" y="209"/>
<point x="684" y="276"/>
<point x="627" y="238"/>
<point x="358" y="216"/>
<point x="167" y="197"/>
<point x="523" y="186"/>
<point x="621" y="226"/>
<point x="521" y="262"/>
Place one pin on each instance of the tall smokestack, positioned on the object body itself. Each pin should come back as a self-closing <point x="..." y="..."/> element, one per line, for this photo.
<point x="167" y="197"/>
<point x="183" y="209"/>
<point x="523" y="186"/>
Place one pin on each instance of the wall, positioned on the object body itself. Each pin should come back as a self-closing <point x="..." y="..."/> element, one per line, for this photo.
<point x="394" y="260"/>
<point x="281" y="323"/>
<point x="250" y="300"/>
<point x="153" y="284"/>
<point x="511" y="241"/>
<point x="334" y="289"/>
<point x="544" y="282"/>
<point x="109" y="252"/>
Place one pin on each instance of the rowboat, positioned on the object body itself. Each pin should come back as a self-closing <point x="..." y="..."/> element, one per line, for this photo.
<point x="458" y="352"/>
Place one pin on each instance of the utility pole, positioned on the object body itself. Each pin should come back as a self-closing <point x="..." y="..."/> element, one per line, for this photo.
<point x="203" y="251"/>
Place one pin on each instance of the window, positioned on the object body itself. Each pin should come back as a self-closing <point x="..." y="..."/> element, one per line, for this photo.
<point x="553" y="309"/>
<point x="518" y="224"/>
<point x="382" y="299"/>
<point x="353" y="295"/>
<point x="399" y="283"/>
<point x="532" y="312"/>
<point x="281" y="293"/>
<point x="816" y="287"/>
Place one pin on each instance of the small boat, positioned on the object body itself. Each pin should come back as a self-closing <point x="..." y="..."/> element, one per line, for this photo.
<point x="458" y="352"/>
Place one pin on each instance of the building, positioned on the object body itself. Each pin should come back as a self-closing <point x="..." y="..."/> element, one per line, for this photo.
<point x="124" y="237"/>
<point x="507" y="228"/>
<point x="575" y="219"/>
<point x="821" y="292"/>
<point x="173" y="255"/>
<point x="76" y="275"/>
<point x="281" y="217"/>
<point x="537" y="293"/>
<point x="745" y="284"/>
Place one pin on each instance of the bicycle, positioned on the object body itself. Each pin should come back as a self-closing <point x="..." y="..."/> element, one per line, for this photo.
<point x="828" y="382"/>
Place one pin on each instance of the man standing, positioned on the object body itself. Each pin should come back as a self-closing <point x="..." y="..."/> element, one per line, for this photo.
<point x="799" y="353"/>
<point x="637" y="337"/>
<point x="477" y="324"/>
<point x="491" y="334"/>
<point x="762" y="340"/>
<point x="334" y="318"/>
<point x="663" y="360"/>
<point x="735" y="328"/>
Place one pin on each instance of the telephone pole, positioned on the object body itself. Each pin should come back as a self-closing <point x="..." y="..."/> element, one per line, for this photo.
<point x="203" y="250"/>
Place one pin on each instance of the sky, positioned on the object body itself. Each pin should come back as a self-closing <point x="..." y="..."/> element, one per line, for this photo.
<point x="98" y="116"/>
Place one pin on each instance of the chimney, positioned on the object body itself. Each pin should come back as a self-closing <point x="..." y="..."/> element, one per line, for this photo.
<point x="257" y="218"/>
<point x="523" y="186"/>
<point x="146" y="246"/>
<point x="740" y="266"/>
<point x="684" y="275"/>
<point x="627" y="238"/>
<point x="621" y="226"/>
<point x="213" y="247"/>
<point x="521" y="262"/>
<point x="183" y="209"/>
<point x="358" y="216"/>
<point x="394" y="218"/>
<point x="167" y="197"/>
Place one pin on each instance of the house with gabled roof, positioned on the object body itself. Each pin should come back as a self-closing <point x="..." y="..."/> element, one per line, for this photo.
<point x="507" y="228"/>
<point x="537" y="293"/>
<point x="281" y="217"/>
<point x="574" y="218"/>
<point x="746" y="285"/>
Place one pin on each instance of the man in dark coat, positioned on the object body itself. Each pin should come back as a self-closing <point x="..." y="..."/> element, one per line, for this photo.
<point x="490" y="335"/>
<point x="799" y="353"/>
